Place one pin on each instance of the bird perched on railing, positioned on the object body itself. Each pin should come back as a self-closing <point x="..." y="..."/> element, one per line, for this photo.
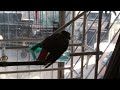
<point x="53" y="47"/>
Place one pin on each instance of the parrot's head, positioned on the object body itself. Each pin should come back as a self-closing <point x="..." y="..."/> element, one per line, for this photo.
<point x="66" y="34"/>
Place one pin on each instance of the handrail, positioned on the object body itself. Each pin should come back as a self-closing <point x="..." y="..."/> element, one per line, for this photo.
<point x="39" y="70"/>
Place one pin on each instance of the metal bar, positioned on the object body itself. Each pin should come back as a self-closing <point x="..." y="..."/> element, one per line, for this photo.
<point x="79" y="44"/>
<point x="97" y="44"/>
<point x="46" y="19"/>
<point x="67" y="24"/>
<point x="88" y="48"/>
<point x="21" y="63"/>
<point x="17" y="66"/>
<point x="67" y="14"/>
<point x="25" y="71"/>
<point x="15" y="47"/>
<point x="61" y="64"/>
<point x="102" y="67"/>
<point x="31" y="40"/>
<point x="20" y="47"/>
<point x="73" y="15"/>
<point x="83" y="42"/>
<point x="78" y="75"/>
<point x="74" y="78"/>
<point x="74" y="65"/>
<point x="19" y="40"/>
<point x="88" y="58"/>
<point x="85" y="53"/>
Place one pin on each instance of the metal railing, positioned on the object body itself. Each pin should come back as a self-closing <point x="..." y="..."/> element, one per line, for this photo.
<point x="68" y="24"/>
<point x="103" y="38"/>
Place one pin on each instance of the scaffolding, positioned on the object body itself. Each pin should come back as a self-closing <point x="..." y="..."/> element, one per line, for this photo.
<point x="90" y="33"/>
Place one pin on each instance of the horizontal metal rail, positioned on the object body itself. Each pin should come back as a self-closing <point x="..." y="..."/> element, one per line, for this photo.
<point x="25" y="71"/>
<point x="20" y="63"/>
<point x="40" y="63"/>
<point x="76" y="44"/>
<point x="20" y="40"/>
<point x="20" y="47"/>
<point x="85" y="53"/>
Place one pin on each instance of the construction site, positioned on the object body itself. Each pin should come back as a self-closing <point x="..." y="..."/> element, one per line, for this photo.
<point x="93" y="50"/>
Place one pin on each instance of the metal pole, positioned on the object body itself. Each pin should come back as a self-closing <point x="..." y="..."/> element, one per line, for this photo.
<point x="98" y="42"/>
<point x="85" y="53"/>
<point x="61" y="64"/>
<point x="25" y="71"/>
<point x="83" y="44"/>
<point x="73" y="15"/>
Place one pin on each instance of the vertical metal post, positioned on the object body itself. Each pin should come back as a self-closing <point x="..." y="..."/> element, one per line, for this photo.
<point x="17" y="66"/>
<point x="28" y="37"/>
<point x="46" y="19"/>
<point x="4" y="29"/>
<point x="42" y="19"/>
<point x="28" y="24"/>
<point x="61" y="64"/>
<point x="83" y="44"/>
<point x="87" y="29"/>
<point x="87" y="62"/>
<point x="8" y="27"/>
<point x="97" y="44"/>
<point x="72" y="41"/>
